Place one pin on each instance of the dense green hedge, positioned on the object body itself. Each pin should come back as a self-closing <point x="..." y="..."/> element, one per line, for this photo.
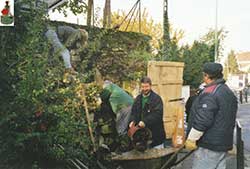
<point x="43" y="123"/>
<point x="117" y="55"/>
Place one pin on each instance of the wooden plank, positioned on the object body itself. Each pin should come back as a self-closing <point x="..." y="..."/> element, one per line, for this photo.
<point x="167" y="80"/>
<point x="166" y="64"/>
<point x="169" y="127"/>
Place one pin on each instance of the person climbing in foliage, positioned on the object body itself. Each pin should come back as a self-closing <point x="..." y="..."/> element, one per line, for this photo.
<point x="67" y="42"/>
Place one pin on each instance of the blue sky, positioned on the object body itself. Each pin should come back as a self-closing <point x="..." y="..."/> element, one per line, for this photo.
<point x="195" y="17"/>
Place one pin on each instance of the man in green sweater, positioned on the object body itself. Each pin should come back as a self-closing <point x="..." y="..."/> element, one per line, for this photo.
<point x="147" y="111"/>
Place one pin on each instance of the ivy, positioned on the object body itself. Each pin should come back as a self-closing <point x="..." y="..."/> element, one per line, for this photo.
<point x="43" y="122"/>
<point x="42" y="119"/>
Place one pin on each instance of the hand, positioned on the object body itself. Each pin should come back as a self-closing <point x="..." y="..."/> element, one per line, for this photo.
<point x="141" y="124"/>
<point x="190" y="145"/>
<point x="132" y="130"/>
<point x="132" y="123"/>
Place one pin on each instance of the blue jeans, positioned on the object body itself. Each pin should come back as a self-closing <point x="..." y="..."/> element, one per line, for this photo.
<point x="208" y="159"/>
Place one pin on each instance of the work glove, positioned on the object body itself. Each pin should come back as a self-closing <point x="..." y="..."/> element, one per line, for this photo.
<point x="141" y="124"/>
<point x="131" y="124"/>
<point x="190" y="145"/>
<point x="132" y="130"/>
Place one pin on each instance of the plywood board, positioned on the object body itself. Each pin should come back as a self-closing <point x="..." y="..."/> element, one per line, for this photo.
<point x="167" y="80"/>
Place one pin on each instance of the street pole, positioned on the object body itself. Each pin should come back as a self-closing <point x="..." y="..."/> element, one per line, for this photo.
<point x="216" y="33"/>
<point x="166" y="36"/>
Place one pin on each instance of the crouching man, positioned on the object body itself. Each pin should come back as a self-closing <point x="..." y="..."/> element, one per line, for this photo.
<point x="147" y="111"/>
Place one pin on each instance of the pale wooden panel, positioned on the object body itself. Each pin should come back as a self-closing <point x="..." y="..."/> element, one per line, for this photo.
<point x="167" y="80"/>
<point x="169" y="127"/>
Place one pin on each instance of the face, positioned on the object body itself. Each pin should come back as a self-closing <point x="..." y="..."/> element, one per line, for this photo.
<point x="145" y="88"/>
<point x="206" y="79"/>
<point x="78" y="44"/>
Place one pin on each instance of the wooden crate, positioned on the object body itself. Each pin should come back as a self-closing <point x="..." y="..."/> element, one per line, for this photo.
<point x="167" y="80"/>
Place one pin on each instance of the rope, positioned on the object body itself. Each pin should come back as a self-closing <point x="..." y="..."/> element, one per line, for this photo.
<point x="132" y="9"/>
<point x="132" y="15"/>
<point x="137" y="13"/>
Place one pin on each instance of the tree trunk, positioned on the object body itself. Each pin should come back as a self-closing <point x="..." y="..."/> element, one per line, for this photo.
<point x="90" y="12"/>
<point x="166" y="36"/>
<point x="107" y="14"/>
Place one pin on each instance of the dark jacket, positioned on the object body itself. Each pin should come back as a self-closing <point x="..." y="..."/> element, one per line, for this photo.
<point x="188" y="106"/>
<point x="151" y="115"/>
<point x="214" y="113"/>
<point x="105" y="131"/>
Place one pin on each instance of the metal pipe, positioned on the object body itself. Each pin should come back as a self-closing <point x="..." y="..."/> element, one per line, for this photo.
<point x="216" y="33"/>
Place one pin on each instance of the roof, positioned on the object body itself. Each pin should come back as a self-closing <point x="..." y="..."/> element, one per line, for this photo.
<point x="51" y="4"/>
<point x="54" y="3"/>
<point x="243" y="57"/>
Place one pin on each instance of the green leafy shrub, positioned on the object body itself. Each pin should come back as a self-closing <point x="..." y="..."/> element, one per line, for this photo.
<point x="42" y="121"/>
